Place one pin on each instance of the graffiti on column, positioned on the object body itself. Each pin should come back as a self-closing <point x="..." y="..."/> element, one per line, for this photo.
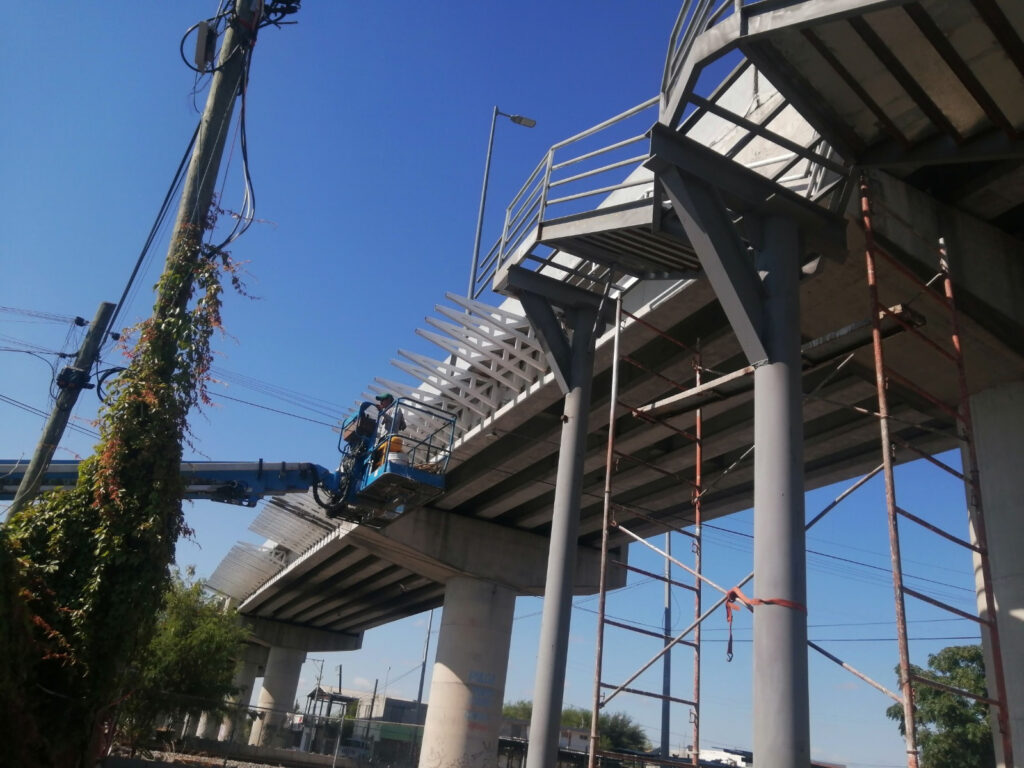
<point x="480" y="711"/>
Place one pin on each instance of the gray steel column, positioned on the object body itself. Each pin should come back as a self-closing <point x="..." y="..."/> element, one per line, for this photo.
<point x="780" y="691"/>
<point x="666" y="662"/>
<point x="549" y="683"/>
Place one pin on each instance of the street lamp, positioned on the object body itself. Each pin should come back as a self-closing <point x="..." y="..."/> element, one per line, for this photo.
<point x="526" y="122"/>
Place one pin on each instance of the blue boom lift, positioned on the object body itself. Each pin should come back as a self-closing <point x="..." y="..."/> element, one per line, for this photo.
<point x="388" y="465"/>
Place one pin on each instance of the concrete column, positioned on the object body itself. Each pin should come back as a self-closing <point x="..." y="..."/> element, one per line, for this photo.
<point x="998" y="416"/>
<point x="780" y="689"/>
<point x="468" y="684"/>
<point x="209" y="726"/>
<point x="253" y="660"/>
<point x="280" y="683"/>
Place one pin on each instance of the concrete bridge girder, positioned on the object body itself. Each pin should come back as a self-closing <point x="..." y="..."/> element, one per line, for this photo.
<point x="722" y="439"/>
<point x="441" y="546"/>
<point x="543" y="398"/>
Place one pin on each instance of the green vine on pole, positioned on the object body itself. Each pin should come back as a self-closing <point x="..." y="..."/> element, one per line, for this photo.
<point x="83" y="571"/>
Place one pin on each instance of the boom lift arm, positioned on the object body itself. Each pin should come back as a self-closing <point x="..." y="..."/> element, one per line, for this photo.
<point x="389" y="464"/>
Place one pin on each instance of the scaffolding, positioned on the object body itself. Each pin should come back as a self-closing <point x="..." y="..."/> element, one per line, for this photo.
<point x="885" y="321"/>
<point x="610" y="523"/>
<point x="952" y="354"/>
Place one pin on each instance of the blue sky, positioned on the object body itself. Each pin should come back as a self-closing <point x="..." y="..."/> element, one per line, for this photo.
<point x="367" y="126"/>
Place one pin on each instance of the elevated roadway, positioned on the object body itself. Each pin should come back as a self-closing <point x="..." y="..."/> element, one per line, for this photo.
<point x="494" y="373"/>
<point x="770" y="115"/>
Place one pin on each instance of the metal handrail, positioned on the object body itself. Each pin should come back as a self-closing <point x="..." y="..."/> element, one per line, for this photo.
<point x="606" y="124"/>
<point x="812" y="171"/>
<point x="587" y="174"/>
<point x="596" y="152"/>
<point x="532" y="205"/>
<point x="694" y="18"/>
<point x="600" y="191"/>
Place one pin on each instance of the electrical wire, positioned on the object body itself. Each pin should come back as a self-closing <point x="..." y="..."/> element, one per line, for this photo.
<point x="859" y="563"/>
<point x="272" y="13"/>
<point x="72" y="340"/>
<point x="292" y="397"/>
<point x="37" y="316"/>
<point x="274" y="410"/>
<point x="43" y="414"/>
<point x="29" y="346"/>
<point x="101" y="380"/>
<point x="37" y="354"/>
<point x="245" y="217"/>
<point x="161" y="216"/>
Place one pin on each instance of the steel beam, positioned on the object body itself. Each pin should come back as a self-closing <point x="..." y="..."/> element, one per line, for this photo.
<point x="723" y="257"/>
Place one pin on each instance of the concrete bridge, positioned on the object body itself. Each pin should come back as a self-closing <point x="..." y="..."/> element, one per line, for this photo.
<point x="735" y="224"/>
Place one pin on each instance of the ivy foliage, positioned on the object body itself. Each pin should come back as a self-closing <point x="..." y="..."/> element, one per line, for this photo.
<point x="83" y="571"/>
<point x="952" y="731"/>
<point x="188" y="665"/>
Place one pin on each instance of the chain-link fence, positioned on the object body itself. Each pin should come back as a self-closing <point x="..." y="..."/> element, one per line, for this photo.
<point x="346" y="740"/>
<point x="280" y="737"/>
<point x="317" y="739"/>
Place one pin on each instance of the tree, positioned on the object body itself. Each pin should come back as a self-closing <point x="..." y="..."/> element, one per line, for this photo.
<point x="620" y="732"/>
<point x="83" y="571"/>
<point x="617" y="731"/>
<point x="952" y="731"/>
<point x="188" y="665"/>
<point x="517" y="710"/>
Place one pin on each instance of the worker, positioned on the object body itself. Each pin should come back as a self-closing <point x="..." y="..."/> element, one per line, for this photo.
<point x="390" y="422"/>
<point x="388" y="417"/>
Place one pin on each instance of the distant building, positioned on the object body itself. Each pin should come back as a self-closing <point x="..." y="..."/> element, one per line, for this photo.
<point x="742" y="757"/>
<point x="568" y="738"/>
<point x="325" y="701"/>
<point x="717" y="756"/>
<point x="367" y="725"/>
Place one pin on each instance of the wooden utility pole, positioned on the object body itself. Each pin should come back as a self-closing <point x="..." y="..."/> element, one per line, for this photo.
<point x="71" y="381"/>
<point x="193" y="210"/>
<point x="228" y="80"/>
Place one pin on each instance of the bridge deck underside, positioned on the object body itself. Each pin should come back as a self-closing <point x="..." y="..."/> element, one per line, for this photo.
<point x="624" y="238"/>
<point x="928" y="91"/>
<point x="339" y="585"/>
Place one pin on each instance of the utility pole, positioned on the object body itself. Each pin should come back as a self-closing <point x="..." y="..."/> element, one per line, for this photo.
<point x="369" y="717"/>
<point x="423" y="671"/>
<point x="72" y="380"/>
<point x="317" y="703"/>
<point x="196" y="198"/>
<point x="228" y="80"/>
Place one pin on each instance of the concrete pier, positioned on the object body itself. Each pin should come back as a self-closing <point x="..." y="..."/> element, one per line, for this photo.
<point x="280" y="684"/>
<point x="998" y="415"/>
<point x="254" y="660"/>
<point x="468" y="684"/>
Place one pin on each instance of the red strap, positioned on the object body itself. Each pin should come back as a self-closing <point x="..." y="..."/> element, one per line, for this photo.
<point x="736" y="594"/>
